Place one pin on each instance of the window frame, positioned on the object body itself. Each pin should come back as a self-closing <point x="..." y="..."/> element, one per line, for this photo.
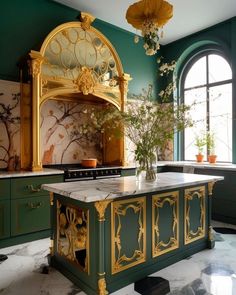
<point x="184" y="72"/>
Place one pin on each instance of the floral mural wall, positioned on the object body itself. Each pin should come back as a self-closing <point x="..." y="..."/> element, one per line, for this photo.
<point x="9" y="125"/>
<point x="66" y="133"/>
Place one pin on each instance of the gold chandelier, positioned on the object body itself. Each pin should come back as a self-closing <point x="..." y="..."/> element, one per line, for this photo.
<point x="149" y="16"/>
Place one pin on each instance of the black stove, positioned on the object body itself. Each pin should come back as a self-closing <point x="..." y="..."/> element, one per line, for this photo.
<point x="75" y="172"/>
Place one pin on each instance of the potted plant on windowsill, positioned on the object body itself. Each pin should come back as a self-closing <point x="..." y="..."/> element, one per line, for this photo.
<point x="200" y="142"/>
<point x="210" y="141"/>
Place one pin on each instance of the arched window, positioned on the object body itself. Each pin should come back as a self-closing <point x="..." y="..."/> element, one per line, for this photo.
<point x="207" y="81"/>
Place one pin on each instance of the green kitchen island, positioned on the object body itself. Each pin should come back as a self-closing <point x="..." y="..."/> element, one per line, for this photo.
<point x="109" y="233"/>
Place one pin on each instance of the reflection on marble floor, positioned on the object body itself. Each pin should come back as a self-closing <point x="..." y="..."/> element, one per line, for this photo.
<point x="208" y="272"/>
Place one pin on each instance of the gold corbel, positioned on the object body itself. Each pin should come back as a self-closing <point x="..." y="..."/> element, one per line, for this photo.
<point x="36" y="62"/>
<point x="52" y="247"/>
<point x="51" y="198"/>
<point x="102" y="287"/>
<point x="101" y="208"/>
<point x="210" y="187"/>
<point x="86" y="20"/>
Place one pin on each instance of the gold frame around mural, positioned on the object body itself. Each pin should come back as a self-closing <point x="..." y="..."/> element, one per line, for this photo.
<point x="139" y="255"/>
<point x="71" y="210"/>
<point x="160" y="247"/>
<point x="189" y="235"/>
<point x="70" y="87"/>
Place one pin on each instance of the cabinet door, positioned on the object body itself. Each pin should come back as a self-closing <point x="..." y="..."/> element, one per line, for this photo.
<point x="4" y="219"/>
<point x="4" y="189"/>
<point x="194" y="214"/>
<point x="30" y="215"/>
<point x="31" y="186"/>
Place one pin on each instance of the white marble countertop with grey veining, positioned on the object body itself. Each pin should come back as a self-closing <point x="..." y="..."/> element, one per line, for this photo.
<point x="45" y="171"/>
<point x="96" y="190"/>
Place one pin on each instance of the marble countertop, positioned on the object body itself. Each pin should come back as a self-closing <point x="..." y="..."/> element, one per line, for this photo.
<point x="96" y="190"/>
<point x="45" y="171"/>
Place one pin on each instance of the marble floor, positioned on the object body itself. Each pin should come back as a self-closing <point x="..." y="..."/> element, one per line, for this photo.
<point x="207" y="272"/>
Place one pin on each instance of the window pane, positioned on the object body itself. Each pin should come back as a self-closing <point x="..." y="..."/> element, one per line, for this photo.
<point x="221" y="120"/>
<point x="219" y="69"/>
<point x="198" y="114"/>
<point x="197" y="74"/>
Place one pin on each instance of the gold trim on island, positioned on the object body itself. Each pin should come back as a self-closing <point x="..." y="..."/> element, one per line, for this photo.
<point x="210" y="187"/>
<point x="73" y="234"/>
<point x="101" y="209"/>
<point x="160" y="247"/>
<point x="190" y="235"/>
<point x="119" y="260"/>
<point x="102" y="287"/>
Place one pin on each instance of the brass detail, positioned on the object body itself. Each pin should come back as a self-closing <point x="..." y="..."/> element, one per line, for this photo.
<point x="34" y="205"/>
<point x="102" y="287"/>
<point x="101" y="208"/>
<point x="52" y="247"/>
<point x="189" y="235"/>
<point x="210" y="187"/>
<point x="120" y="261"/>
<point x="73" y="233"/>
<point x="85" y="81"/>
<point x="51" y="198"/>
<point x="210" y="234"/>
<point x="159" y="247"/>
<point x="101" y="274"/>
<point x="32" y="189"/>
<point x="86" y="20"/>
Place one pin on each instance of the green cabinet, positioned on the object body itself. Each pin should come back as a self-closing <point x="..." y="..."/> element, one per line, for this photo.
<point x="30" y="215"/>
<point x="24" y="209"/>
<point x="4" y="219"/>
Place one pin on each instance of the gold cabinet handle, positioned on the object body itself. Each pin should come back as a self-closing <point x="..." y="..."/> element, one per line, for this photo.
<point x="32" y="189"/>
<point x="34" y="206"/>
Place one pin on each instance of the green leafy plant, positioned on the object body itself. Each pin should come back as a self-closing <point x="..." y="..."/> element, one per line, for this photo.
<point x="210" y="142"/>
<point x="200" y="142"/>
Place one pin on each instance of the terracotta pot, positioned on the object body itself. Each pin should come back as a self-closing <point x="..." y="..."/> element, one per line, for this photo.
<point x="89" y="163"/>
<point x="199" y="157"/>
<point x="212" y="159"/>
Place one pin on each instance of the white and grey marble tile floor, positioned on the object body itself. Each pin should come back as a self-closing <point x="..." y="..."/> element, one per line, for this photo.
<point x="209" y="272"/>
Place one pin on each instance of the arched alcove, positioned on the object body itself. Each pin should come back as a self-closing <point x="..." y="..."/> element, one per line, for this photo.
<point x="77" y="63"/>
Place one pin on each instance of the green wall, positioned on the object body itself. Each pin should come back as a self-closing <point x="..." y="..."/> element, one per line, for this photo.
<point x="221" y="36"/>
<point x="24" y="25"/>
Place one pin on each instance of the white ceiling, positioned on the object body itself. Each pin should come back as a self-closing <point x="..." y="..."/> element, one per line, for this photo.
<point x="189" y="16"/>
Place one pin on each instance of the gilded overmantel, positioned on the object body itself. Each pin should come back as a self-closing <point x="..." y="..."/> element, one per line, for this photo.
<point x="77" y="62"/>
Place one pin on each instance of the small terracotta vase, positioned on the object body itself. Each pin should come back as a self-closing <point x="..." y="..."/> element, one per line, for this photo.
<point x="199" y="158"/>
<point x="212" y="159"/>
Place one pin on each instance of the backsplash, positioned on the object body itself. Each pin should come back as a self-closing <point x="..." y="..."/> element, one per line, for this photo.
<point x="65" y="135"/>
<point x="9" y="125"/>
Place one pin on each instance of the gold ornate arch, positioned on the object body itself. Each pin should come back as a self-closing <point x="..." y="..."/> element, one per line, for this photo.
<point x="76" y="61"/>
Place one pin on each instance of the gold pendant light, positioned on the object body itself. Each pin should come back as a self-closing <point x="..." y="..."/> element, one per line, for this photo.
<point x="149" y="16"/>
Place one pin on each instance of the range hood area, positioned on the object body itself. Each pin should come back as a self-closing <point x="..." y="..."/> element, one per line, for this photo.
<point x="77" y="69"/>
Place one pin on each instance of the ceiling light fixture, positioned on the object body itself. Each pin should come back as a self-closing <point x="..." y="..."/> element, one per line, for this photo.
<point x="149" y="16"/>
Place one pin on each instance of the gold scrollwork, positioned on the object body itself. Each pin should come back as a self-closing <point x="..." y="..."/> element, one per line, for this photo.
<point x="210" y="187"/>
<point x="101" y="208"/>
<point x="102" y="287"/>
<point x="86" y="20"/>
<point x="73" y="234"/>
<point x="159" y="247"/>
<point x="120" y="261"/>
<point x="190" y="194"/>
<point x="85" y="81"/>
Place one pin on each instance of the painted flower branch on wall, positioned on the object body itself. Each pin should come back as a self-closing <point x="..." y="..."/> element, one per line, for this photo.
<point x="10" y="126"/>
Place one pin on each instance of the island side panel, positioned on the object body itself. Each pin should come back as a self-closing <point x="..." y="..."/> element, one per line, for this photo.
<point x="75" y="241"/>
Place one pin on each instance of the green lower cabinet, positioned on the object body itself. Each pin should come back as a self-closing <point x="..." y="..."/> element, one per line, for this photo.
<point x="4" y="219"/>
<point x="30" y="215"/>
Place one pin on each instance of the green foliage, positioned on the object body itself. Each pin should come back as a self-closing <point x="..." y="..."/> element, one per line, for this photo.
<point x="210" y="142"/>
<point x="200" y="142"/>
